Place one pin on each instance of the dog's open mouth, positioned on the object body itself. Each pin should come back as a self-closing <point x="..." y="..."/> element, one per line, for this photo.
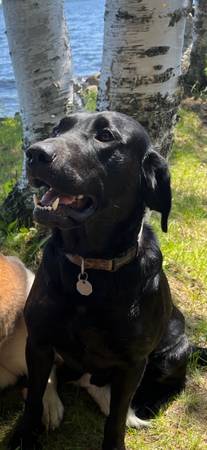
<point x="53" y="204"/>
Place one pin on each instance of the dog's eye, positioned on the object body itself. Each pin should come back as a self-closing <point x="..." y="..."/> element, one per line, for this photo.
<point x="104" y="135"/>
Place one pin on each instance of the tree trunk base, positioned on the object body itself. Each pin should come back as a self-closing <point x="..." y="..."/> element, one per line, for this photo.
<point x="18" y="206"/>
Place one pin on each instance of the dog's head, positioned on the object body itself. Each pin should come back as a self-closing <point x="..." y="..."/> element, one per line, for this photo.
<point x="94" y="162"/>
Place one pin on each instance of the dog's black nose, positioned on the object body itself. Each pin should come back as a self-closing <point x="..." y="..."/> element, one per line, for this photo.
<point x="40" y="153"/>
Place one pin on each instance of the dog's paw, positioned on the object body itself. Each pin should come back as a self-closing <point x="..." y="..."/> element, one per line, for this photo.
<point x="133" y="421"/>
<point x="53" y="409"/>
<point x="84" y="381"/>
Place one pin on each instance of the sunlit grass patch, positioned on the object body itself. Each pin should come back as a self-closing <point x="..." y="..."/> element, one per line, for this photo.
<point x="181" y="426"/>
<point x="185" y="245"/>
<point x="89" y="98"/>
<point x="10" y="154"/>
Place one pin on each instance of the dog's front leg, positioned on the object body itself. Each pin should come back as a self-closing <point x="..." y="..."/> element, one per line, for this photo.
<point x="40" y="358"/>
<point x="123" y="386"/>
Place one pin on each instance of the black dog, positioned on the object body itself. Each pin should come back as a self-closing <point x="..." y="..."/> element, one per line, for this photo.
<point x="100" y="298"/>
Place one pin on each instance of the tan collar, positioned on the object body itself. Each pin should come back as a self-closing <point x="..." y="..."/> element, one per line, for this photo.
<point x="111" y="265"/>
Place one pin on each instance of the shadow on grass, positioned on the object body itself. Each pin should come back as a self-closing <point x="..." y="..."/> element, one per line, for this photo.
<point x="81" y="429"/>
<point x="11" y="406"/>
<point x="196" y="407"/>
<point x="196" y="327"/>
<point x="198" y="106"/>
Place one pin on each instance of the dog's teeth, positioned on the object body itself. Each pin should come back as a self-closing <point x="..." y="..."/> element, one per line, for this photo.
<point x="47" y="208"/>
<point x="80" y="197"/>
<point x="35" y="200"/>
<point x="55" y="204"/>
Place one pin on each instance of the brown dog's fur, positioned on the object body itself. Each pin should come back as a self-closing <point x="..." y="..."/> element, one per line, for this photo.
<point x="15" y="283"/>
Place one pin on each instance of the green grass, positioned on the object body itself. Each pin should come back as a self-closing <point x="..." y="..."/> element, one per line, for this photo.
<point x="183" y="425"/>
<point x="89" y="98"/>
<point x="185" y="245"/>
<point x="10" y="154"/>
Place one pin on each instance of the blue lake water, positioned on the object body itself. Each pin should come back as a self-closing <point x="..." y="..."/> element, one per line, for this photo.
<point x="85" y="22"/>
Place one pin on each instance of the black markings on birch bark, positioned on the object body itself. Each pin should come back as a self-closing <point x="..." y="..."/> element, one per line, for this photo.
<point x="155" y="51"/>
<point x="142" y="63"/>
<point x="41" y="58"/>
<point x="177" y="15"/>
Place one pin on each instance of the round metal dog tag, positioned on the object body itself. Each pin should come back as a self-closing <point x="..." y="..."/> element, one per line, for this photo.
<point x="83" y="286"/>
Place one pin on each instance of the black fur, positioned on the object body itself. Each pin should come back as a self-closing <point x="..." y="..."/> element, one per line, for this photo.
<point x="127" y="332"/>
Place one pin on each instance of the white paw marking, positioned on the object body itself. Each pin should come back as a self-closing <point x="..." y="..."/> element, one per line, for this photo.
<point x="102" y="395"/>
<point x="133" y="421"/>
<point x="53" y="409"/>
<point x="84" y="381"/>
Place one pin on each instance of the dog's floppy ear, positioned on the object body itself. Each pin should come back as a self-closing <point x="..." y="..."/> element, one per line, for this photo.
<point x="156" y="185"/>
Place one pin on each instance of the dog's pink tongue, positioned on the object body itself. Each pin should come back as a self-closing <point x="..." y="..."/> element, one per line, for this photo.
<point x="48" y="197"/>
<point x="67" y="200"/>
<point x="51" y="195"/>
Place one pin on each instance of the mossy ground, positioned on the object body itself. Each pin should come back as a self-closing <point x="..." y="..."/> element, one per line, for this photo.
<point x="183" y="424"/>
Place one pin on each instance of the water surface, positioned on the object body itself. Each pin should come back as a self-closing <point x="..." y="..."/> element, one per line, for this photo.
<point x="85" y="23"/>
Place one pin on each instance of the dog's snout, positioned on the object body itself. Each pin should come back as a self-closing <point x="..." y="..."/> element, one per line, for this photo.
<point x="40" y="153"/>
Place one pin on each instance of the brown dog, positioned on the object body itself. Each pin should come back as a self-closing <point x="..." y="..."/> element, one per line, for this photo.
<point x="15" y="283"/>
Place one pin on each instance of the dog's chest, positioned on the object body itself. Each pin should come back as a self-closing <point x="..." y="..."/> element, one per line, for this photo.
<point x="94" y="337"/>
<point x="106" y="328"/>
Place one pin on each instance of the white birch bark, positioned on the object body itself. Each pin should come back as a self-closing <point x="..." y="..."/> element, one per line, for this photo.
<point x="141" y="66"/>
<point x="197" y="73"/>
<point x="41" y="58"/>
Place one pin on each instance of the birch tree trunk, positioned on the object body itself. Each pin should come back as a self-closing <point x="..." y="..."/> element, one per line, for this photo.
<point x="41" y="58"/>
<point x="188" y="40"/>
<point x="197" y="73"/>
<point x="188" y="35"/>
<point x="141" y="66"/>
